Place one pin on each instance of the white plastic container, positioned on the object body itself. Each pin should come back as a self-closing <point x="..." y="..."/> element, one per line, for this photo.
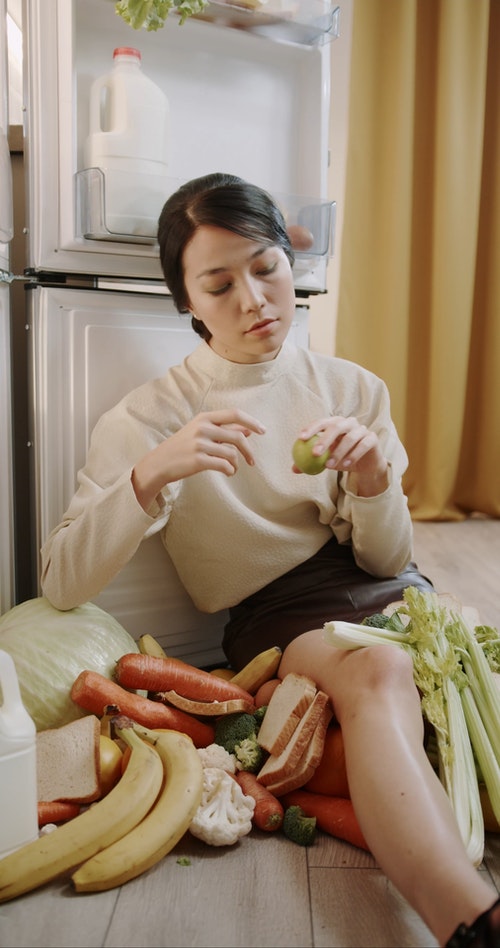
<point x="129" y="140"/>
<point x="18" y="782"/>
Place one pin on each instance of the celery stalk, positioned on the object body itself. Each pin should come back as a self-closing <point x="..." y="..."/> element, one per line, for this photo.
<point x="464" y="788"/>
<point x="349" y="635"/>
<point x="459" y="698"/>
<point x="487" y="761"/>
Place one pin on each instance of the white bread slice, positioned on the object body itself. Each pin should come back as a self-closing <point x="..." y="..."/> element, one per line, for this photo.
<point x="279" y="766"/>
<point x="286" y="707"/>
<point x="310" y="759"/>
<point x="68" y="761"/>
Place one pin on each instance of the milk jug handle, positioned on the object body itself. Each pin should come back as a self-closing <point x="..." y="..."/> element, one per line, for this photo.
<point x="100" y="88"/>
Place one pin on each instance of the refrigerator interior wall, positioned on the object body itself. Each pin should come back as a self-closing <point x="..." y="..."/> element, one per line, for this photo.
<point x="88" y="348"/>
<point x="238" y="102"/>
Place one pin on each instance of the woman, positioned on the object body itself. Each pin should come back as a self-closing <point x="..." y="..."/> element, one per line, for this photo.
<point x="204" y="455"/>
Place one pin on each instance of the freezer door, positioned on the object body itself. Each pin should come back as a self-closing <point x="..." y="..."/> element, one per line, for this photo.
<point x="88" y="348"/>
<point x="239" y="102"/>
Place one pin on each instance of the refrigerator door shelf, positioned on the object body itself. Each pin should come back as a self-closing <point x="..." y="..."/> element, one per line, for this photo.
<point x="310" y="221"/>
<point x="308" y="22"/>
<point x="131" y="220"/>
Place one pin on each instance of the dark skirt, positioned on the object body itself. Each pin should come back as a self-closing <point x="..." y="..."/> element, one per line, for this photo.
<point x="327" y="586"/>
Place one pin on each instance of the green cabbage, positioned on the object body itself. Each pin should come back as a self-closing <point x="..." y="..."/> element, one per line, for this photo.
<point x="50" y="648"/>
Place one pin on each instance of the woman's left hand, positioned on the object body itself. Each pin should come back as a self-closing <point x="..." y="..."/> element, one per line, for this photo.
<point x="353" y="448"/>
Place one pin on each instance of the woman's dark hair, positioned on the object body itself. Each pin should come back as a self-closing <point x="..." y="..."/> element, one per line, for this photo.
<point x="218" y="200"/>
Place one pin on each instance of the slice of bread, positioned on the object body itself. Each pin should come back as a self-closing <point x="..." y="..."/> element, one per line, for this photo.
<point x="279" y="767"/>
<point x="286" y="707"/>
<point x="68" y="761"/>
<point x="310" y="759"/>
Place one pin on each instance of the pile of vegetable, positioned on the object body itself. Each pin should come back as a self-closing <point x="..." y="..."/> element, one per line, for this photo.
<point x="454" y="667"/>
<point x="205" y="728"/>
<point x="151" y="14"/>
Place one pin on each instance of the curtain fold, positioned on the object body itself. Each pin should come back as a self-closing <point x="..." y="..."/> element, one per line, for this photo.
<point x="419" y="293"/>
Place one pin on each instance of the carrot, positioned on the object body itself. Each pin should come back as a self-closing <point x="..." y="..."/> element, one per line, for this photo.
<point x="56" y="811"/>
<point x="94" y="692"/>
<point x="330" y="776"/>
<point x="334" y="815"/>
<point x="269" y="812"/>
<point x="150" y="673"/>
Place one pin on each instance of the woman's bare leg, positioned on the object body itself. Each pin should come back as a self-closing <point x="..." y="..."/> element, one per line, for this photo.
<point x="401" y="806"/>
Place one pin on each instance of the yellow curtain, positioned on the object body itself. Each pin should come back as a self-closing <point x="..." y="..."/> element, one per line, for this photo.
<point x="419" y="293"/>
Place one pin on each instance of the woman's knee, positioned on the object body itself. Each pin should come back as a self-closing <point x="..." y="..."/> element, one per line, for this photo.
<point x="381" y="668"/>
<point x="377" y="674"/>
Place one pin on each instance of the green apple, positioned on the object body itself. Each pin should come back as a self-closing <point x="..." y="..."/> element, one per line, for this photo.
<point x="305" y="460"/>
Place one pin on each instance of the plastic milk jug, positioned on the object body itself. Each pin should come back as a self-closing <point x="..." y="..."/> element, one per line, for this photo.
<point x="18" y="782"/>
<point x="129" y="139"/>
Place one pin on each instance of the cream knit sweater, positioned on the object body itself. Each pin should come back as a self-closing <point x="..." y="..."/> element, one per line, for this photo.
<point x="230" y="536"/>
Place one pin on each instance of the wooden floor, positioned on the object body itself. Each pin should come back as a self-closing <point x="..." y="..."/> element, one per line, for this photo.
<point x="266" y="891"/>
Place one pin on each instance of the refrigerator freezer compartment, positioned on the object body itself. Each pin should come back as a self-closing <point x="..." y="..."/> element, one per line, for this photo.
<point x="87" y="349"/>
<point x="110" y="206"/>
<point x="307" y="22"/>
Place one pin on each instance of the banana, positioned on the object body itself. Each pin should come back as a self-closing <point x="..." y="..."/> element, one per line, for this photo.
<point x="100" y="825"/>
<point x="148" y="645"/>
<point x="226" y="673"/>
<point x="164" y="825"/>
<point x="259" y="670"/>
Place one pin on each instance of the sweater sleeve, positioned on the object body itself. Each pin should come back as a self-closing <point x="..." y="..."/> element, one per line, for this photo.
<point x="381" y="533"/>
<point x="378" y="527"/>
<point x="104" y="523"/>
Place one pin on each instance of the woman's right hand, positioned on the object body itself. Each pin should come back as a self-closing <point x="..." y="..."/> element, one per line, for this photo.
<point x="212" y="440"/>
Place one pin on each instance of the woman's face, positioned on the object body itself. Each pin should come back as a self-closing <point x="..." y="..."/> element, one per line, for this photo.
<point x="243" y="292"/>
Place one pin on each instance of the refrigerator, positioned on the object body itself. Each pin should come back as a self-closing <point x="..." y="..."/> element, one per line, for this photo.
<point x="249" y="93"/>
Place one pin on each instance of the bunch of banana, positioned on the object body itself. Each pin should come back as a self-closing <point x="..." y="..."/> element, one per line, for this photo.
<point x="164" y="825"/>
<point x="102" y="824"/>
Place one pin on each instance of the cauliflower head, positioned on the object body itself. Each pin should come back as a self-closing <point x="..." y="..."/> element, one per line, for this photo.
<point x="216" y="756"/>
<point x="225" y="812"/>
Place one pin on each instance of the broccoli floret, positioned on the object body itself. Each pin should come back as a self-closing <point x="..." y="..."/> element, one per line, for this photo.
<point x="232" y="729"/>
<point x="376" y="621"/>
<point x="249" y="754"/>
<point x="237" y="734"/>
<point x="258" y="715"/>
<point x="379" y="621"/>
<point x="298" y="827"/>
